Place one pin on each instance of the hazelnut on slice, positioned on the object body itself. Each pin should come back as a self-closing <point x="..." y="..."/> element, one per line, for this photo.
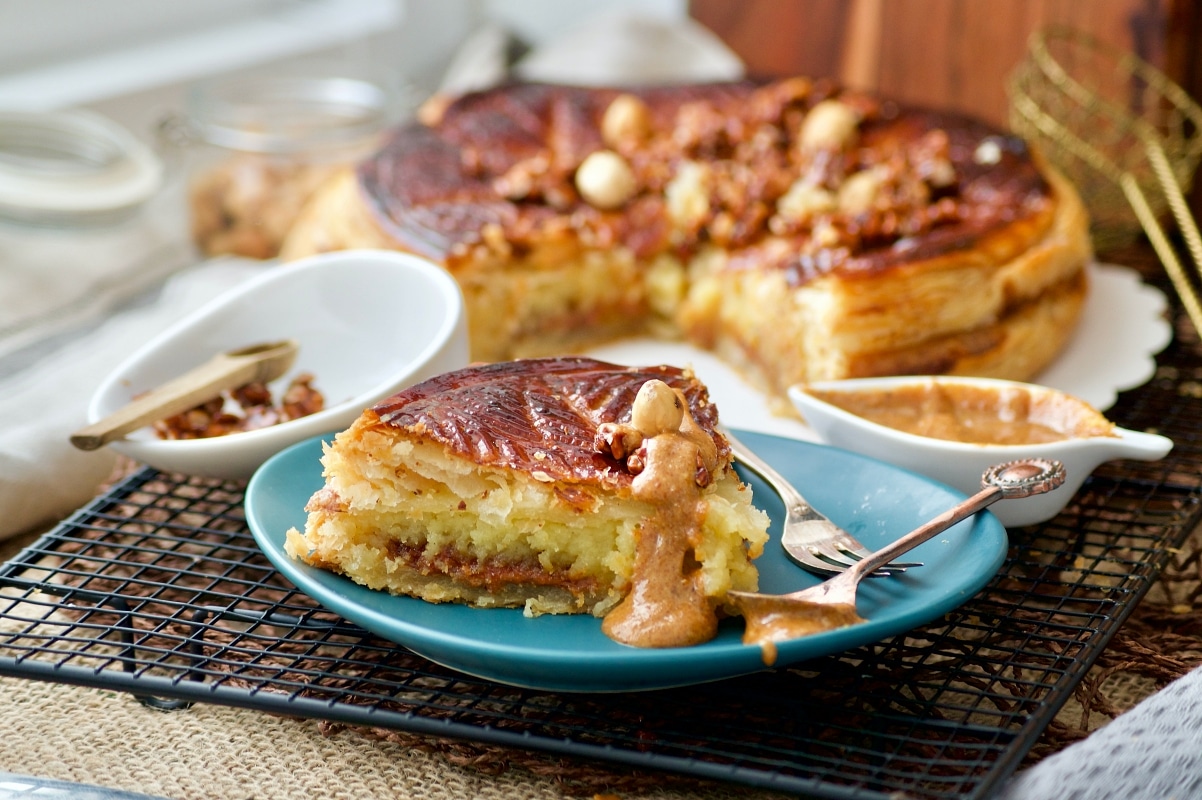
<point x="657" y="409"/>
<point x="605" y="180"/>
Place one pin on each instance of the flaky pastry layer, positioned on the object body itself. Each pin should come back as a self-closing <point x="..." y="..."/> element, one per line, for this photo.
<point x="405" y="515"/>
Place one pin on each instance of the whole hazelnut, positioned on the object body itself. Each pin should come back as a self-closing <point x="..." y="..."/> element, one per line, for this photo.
<point x="627" y="119"/>
<point x="657" y="409"/>
<point x="859" y="192"/>
<point x="605" y="180"/>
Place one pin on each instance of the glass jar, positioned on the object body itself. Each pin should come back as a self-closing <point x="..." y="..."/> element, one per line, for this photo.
<point x="263" y="146"/>
<point x="71" y="169"/>
<point x="86" y="222"/>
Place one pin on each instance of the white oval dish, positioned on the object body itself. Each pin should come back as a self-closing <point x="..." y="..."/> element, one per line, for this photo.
<point x="369" y="323"/>
<point x="960" y="464"/>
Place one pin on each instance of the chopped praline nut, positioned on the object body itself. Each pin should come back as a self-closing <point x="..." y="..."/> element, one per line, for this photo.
<point x="616" y="439"/>
<point x="830" y="125"/>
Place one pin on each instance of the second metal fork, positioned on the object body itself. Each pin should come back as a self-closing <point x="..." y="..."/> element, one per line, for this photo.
<point x="809" y="538"/>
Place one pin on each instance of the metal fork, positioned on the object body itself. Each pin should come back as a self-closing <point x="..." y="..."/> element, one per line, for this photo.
<point x="809" y="538"/>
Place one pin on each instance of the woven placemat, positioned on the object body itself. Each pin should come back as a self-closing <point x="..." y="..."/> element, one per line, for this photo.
<point x="210" y="752"/>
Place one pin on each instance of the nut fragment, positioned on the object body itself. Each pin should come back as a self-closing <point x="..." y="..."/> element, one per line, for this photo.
<point x="616" y="439"/>
<point x="626" y="120"/>
<point x="244" y="408"/>
<point x="988" y="152"/>
<point x="605" y="180"/>
<point x="830" y="125"/>
<point x="688" y="194"/>
<point x="859" y="192"/>
<point x="938" y="172"/>
<point x="803" y="200"/>
<point x="825" y="234"/>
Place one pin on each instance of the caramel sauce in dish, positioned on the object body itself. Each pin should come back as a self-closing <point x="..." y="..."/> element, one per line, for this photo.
<point x="673" y="459"/>
<point x="974" y="414"/>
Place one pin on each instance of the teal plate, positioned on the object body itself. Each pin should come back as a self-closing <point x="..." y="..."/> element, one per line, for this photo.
<point x="874" y="501"/>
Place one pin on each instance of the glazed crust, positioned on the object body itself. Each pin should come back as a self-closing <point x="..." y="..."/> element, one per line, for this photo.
<point x="536" y="415"/>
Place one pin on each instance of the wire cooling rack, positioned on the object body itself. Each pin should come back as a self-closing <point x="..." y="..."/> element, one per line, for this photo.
<point x="157" y="589"/>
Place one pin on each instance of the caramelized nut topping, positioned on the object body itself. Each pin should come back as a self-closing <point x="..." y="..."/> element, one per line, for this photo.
<point x="759" y="166"/>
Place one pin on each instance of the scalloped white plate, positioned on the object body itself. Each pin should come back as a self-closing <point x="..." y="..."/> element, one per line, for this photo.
<point x="1114" y="349"/>
<point x="1124" y="326"/>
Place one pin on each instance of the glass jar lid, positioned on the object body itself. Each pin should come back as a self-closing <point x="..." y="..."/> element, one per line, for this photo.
<point x="287" y="115"/>
<point x="72" y="168"/>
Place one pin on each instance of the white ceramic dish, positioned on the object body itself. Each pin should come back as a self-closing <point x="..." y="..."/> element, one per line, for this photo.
<point x="368" y="323"/>
<point x="960" y="464"/>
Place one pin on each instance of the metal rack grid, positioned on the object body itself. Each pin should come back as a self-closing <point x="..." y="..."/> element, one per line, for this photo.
<point x="157" y="589"/>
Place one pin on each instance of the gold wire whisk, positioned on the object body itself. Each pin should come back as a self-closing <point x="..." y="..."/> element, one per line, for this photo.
<point x="1126" y="133"/>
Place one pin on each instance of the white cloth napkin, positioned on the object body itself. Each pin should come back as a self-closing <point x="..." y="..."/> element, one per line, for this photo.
<point x="42" y="476"/>
<point x="1152" y="751"/>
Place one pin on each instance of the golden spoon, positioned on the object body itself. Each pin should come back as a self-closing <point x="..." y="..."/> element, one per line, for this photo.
<point x="256" y="363"/>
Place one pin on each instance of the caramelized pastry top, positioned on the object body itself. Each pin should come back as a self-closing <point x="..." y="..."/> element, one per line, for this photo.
<point x="500" y="171"/>
<point x="539" y="416"/>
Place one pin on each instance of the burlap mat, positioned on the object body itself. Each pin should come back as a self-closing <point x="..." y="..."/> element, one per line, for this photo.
<point x="211" y="753"/>
<point x="1160" y="642"/>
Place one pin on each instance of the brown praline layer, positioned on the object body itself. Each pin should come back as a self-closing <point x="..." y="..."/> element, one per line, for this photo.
<point x="539" y="416"/>
<point x="434" y="189"/>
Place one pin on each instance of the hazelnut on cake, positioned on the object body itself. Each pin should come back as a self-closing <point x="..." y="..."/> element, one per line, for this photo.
<point x="801" y="230"/>
<point x="558" y="485"/>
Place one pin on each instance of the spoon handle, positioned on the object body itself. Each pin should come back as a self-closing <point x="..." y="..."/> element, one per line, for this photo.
<point x="1013" y="479"/>
<point x="224" y="371"/>
<point x="928" y="530"/>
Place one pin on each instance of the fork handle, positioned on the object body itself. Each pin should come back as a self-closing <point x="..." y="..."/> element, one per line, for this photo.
<point x="796" y="506"/>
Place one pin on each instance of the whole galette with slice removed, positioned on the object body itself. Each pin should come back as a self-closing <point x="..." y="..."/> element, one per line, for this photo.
<point x="802" y="231"/>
